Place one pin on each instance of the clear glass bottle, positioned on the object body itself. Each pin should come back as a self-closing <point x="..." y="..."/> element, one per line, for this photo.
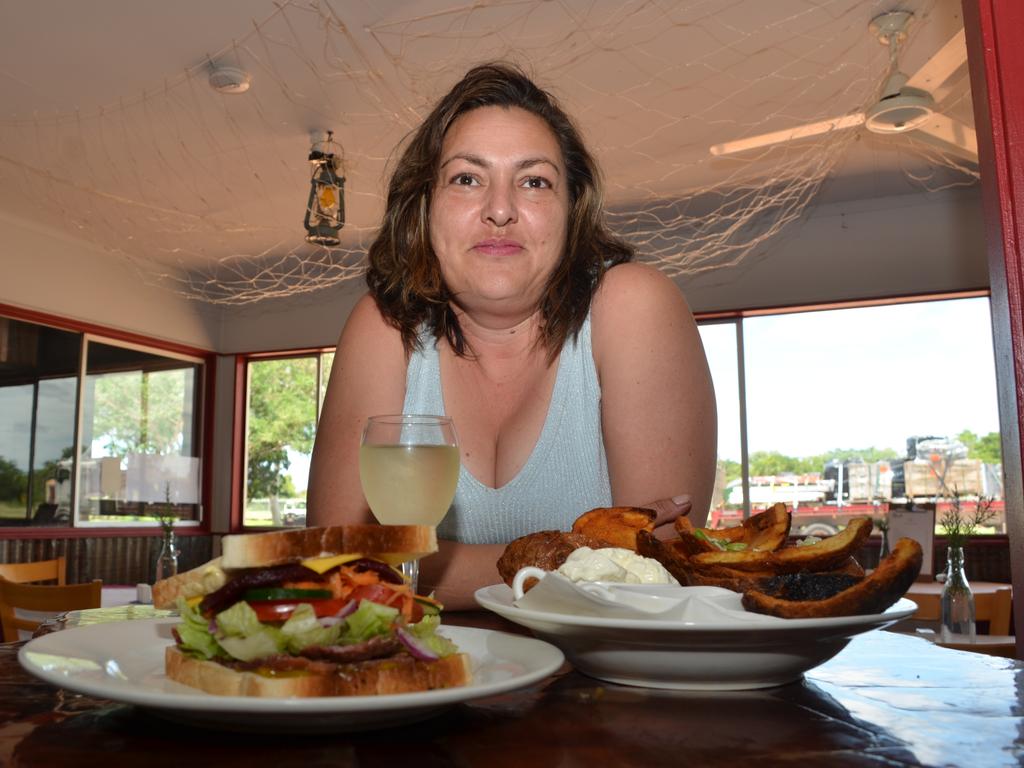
<point x="167" y="559"/>
<point x="957" y="602"/>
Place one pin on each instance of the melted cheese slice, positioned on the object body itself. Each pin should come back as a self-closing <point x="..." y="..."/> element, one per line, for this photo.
<point x="324" y="564"/>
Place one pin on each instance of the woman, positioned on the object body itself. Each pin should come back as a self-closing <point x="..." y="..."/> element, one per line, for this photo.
<point x="574" y="377"/>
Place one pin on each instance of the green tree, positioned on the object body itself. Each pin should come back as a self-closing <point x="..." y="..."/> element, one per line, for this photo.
<point x="987" y="448"/>
<point x="142" y="411"/>
<point x="13" y="487"/>
<point x="282" y="416"/>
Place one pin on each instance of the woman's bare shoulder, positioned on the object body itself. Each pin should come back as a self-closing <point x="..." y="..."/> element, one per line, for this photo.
<point x="636" y="298"/>
<point x="368" y="332"/>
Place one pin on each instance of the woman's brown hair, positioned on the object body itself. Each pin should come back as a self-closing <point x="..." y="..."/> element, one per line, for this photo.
<point x="404" y="276"/>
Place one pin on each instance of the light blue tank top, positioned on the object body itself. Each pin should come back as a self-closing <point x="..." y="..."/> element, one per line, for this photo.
<point x="565" y="475"/>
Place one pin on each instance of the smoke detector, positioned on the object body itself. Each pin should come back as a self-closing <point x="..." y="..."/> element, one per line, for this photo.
<point x="230" y="80"/>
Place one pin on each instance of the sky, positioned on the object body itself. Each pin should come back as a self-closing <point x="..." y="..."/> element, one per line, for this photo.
<point x="856" y="378"/>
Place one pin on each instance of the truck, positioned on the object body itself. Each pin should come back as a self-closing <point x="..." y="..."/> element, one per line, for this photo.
<point x="822" y="503"/>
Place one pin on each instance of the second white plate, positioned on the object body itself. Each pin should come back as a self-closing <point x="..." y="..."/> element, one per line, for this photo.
<point x="673" y="654"/>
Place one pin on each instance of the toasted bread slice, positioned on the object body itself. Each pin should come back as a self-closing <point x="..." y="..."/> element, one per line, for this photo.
<point x="883" y="587"/>
<point x="616" y="525"/>
<point x="207" y="578"/>
<point x="393" y="544"/>
<point x="398" y="674"/>
<point x="825" y="555"/>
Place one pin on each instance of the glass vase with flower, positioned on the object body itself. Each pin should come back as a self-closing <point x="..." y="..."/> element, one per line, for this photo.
<point x="957" y="600"/>
<point x="167" y="558"/>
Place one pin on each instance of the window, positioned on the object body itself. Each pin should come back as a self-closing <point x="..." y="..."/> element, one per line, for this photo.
<point x="38" y="389"/>
<point x="721" y="348"/>
<point x="852" y="410"/>
<point x="139" y="453"/>
<point x="136" y="450"/>
<point x="284" y="399"/>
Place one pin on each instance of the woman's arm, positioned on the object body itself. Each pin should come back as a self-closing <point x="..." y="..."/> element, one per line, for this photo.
<point x="367" y="378"/>
<point x="657" y="402"/>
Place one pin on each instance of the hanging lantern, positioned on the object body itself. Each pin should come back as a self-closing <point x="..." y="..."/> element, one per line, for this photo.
<point x="325" y="211"/>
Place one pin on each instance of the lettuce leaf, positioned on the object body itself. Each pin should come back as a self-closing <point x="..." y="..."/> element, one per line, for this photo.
<point x="368" y="620"/>
<point x="243" y="636"/>
<point x="195" y="634"/>
<point x="425" y="630"/>
<point x="303" y="629"/>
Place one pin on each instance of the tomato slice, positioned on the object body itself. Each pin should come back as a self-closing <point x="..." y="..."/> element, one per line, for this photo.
<point x="375" y="593"/>
<point x="280" y="610"/>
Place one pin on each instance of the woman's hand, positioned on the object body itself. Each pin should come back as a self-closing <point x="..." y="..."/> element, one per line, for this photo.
<point x="668" y="510"/>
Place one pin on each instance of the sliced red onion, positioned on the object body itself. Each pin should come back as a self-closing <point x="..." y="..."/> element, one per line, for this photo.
<point x="347" y="609"/>
<point x="416" y="649"/>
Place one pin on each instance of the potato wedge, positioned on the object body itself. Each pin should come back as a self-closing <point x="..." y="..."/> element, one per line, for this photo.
<point x="886" y="584"/>
<point x="616" y="525"/>
<point x="765" y="531"/>
<point x="768" y="530"/>
<point x="822" y="556"/>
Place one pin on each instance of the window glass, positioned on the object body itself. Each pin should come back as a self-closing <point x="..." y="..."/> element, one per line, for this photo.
<point x="720" y="347"/>
<point x="852" y="410"/>
<point x="280" y="425"/>
<point x="139" y="446"/>
<point x="38" y="387"/>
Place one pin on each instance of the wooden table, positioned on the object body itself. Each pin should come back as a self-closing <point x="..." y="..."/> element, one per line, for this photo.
<point x="887" y="699"/>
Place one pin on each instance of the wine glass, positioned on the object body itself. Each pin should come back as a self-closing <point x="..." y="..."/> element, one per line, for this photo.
<point x="409" y="467"/>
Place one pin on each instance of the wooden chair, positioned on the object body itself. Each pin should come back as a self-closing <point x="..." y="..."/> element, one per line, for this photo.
<point x="42" y="598"/>
<point x="40" y="570"/>
<point x="991" y="607"/>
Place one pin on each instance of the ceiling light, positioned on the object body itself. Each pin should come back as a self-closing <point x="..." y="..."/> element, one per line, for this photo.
<point x="230" y="80"/>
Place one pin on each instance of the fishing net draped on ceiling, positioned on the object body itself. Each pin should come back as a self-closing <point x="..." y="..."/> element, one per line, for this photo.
<point x="205" y="192"/>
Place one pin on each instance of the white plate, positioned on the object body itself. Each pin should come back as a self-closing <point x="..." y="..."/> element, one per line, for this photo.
<point x="683" y="655"/>
<point x="124" y="661"/>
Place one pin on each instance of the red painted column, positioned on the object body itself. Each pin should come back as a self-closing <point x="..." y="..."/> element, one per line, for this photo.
<point x="995" y="46"/>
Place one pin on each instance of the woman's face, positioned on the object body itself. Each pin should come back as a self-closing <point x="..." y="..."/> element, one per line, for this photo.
<point x="499" y="211"/>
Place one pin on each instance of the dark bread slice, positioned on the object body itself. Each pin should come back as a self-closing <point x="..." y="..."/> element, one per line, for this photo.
<point x="876" y="592"/>
<point x="393" y="544"/>
<point x="399" y="674"/>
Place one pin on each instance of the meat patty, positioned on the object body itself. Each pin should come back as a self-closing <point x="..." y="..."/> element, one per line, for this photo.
<point x="544" y="549"/>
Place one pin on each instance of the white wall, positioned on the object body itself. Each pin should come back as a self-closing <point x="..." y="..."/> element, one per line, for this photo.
<point x="889" y="246"/>
<point x="51" y="272"/>
<point x="307" y="320"/>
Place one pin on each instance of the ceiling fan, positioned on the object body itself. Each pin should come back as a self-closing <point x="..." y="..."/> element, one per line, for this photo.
<point x="907" y="104"/>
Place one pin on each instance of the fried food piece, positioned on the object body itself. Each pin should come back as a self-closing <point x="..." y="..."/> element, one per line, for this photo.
<point x="824" y="555"/>
<point x="886" y="584"/>
<point x="544" y="549"/>
<point x="616" y="525"/>
<point x="672" y="555"/>
<point x="768" y="530"/>
<point x="765" y="531"/>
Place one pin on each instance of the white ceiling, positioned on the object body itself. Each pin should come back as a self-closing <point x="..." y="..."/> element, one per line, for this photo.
<point x="109" y="130"/>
